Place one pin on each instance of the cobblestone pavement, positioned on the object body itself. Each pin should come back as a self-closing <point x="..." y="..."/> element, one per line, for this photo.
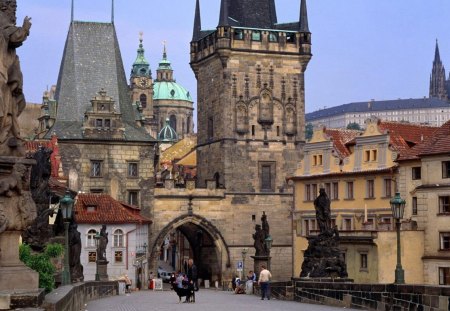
<point x="206" y="299"/>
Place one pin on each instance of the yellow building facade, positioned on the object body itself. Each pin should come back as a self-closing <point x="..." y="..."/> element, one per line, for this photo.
<point x="358" y="171"/>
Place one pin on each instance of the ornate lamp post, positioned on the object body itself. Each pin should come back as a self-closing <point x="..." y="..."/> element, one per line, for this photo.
<point x="66" y="205"/>
<point x="97" y="240"/>
<point x="244" y="254"/>
<point x="268" y="241"/>
<point x="398" y="208"/>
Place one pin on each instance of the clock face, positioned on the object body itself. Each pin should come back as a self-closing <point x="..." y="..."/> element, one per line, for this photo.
<point x="143" y="82"/>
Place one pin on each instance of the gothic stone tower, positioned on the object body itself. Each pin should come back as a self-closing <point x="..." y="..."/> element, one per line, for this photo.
<point x="251" y="100"/>
<point x="439" y="86"/>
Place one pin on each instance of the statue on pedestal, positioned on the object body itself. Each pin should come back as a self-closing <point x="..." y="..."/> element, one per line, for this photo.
<point x="323" y="258"/>
<point x="258" y="236"/>
<point x="102" y="243"/>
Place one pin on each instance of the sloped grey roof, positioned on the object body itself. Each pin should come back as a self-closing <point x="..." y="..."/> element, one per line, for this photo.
<point x="375" y="106"/>
<point x="92" y="61"/>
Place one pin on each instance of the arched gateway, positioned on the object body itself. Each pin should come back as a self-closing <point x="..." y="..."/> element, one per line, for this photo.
<point x="206" y="246"/>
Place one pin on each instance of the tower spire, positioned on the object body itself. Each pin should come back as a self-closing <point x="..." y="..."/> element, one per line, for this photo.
<point x="437" y="57"/>
<point x="303" y="17"/>
<point x="197" y="22"/>
<point x="223" y="20"/>
<point x="112" y="12"/>
<point x="71" y="13"/>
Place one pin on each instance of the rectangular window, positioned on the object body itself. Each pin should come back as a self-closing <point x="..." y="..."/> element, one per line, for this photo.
<point x="350" y="190"/>
<point x="253" y="130"/>
<point x="414" y="205"/>
<point x="132" y="169"/>
<point x="98" y="123"/>
<point x="387" y="188"/>
<point x="446" y="169"/>
<point x="416" y="173"/>
<point x="267" y="176"/>
<point x="107" y="123"/>
<point x="444" y="276"/>
<point x="367" y="156"/>
<point x="133" y="197"/>
<point x="210" y="127"/>
<point x="335" y="193"/>
<point x="278" y="131"/>
<point x="370" y="189"/>
<point x="347" y="224"/>
<point x="256" y="35"/>
<point x="118" y="256"/>
<point x="96" y="168"/>
<point x="364" y="265"/>
<point x="444" y="205"/>
<point x="96" y="190"/>
<point x="314" y="191"/>
<point x="92" y="256"/>
<point x="328" y="189"/>
<point x="445" y="241"/>
<point x="374" y="155"/>
<point x="308" y="226"/>
<point x="307" y="192"/>
<point x="319" y="159"/>
<point x="314" y="160"/>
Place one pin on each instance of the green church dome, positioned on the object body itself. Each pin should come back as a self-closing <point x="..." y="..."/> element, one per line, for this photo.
<point x="170" y="90"/>
<point x="167" y="133"/>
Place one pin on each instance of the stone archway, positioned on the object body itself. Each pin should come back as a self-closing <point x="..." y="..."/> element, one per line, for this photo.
<point x="218" y="255"/>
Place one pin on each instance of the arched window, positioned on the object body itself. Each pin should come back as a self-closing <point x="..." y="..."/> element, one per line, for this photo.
<point x="91" y="238"/>
<point x="188" y="124"/>
<point x="143" y="100"/>
<point x="118" y="238"/>
<point x="173" y="122"/>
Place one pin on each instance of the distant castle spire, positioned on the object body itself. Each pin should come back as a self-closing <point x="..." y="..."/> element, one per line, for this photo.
<point x="438" y="83"/>
<point x="303" y="17"/>
<point x="71" y="12"/>
<point x="197" y="22"/>
<point x="112" y="12"/>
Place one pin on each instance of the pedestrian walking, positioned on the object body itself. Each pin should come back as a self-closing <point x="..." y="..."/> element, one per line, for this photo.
<point x="264" y="281"/>
<point x="192" y="273"/>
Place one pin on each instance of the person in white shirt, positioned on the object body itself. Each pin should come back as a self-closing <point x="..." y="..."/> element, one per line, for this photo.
<point x="264" y="282"/>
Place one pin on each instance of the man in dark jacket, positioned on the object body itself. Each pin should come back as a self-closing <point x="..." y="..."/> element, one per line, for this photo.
<point x="192" y="273"/>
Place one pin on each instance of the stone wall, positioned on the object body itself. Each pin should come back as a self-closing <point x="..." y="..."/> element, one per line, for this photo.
<point x="373" y="296"/>
<point x="114" y="180"/>
<point x="74" y="297"/>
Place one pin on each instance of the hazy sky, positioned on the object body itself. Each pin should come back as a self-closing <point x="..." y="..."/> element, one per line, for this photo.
<point x="363" y="49"/>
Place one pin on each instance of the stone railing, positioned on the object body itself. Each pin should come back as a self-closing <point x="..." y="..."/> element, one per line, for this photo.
<point x="74" y="297"/>
<point x="278" y="290"/>
<point x="373" y="296"/>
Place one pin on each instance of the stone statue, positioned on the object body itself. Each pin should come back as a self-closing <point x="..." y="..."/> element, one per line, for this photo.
<point x="102" y="243"/>
<point x="12" y="99"/>
<point x="39" y="233"/>
<point x="323" y="212"/>
<point x="258" y="236"/>
<point x="323" y="258"/>
<point x="76" y="268"/>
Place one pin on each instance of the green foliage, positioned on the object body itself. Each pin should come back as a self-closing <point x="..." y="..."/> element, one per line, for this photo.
<point x="353" y="126"/>
<point x="41" y="263"/>
<point x="309" y="131"/>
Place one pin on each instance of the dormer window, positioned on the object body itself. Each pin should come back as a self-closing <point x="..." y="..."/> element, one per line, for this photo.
<point x="317" y="160"/>
<point x="370" y="155"/>
<point x="91" y="208"/>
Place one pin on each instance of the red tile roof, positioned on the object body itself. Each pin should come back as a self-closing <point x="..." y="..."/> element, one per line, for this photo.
<point x="438" y="143"/>
<point x="106" y="210"/>
<point x="341" y="138"/>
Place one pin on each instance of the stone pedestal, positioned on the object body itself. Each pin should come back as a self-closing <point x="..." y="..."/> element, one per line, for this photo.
<point x="258" y="261"/>
<point x="102" y="267"/>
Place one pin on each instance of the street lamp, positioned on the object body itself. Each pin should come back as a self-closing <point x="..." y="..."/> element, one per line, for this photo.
<point x="97" y="241"/>
<point x="244" y="254"/>
<point x="268" y="241"/>
<point x="66" y="205"/>
<point x="398" y="208"/>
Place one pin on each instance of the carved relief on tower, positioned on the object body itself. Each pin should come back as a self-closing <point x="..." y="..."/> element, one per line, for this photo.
<point x="265" y="109"/>
<point x="241" y="118"/>
<point x="290" y="119"/>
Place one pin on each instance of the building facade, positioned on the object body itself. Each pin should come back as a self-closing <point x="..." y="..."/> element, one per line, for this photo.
<point x="359" y="173"/>
<point x="424" y="180"/>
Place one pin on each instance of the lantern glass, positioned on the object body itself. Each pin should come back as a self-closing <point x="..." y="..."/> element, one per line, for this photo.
<point x="397" y="206"/>
<point x="66" y="204"/>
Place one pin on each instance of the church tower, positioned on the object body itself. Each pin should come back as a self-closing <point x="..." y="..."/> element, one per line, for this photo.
<point x="437" y="79"/>
<point x="251" y="95"/>
<point x="141" y="85"/>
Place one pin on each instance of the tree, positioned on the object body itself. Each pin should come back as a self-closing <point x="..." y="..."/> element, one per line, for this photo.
<point x="353" y="126"/>
<point x="41" y="263"/>
<point x="309" y="130"/>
